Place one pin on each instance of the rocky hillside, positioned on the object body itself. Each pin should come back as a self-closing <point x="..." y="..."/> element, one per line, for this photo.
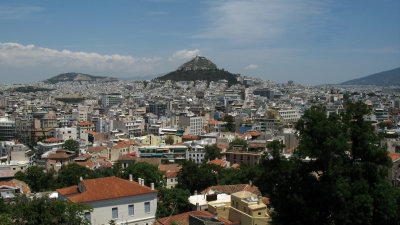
<point x="199" y="68"/>
<point x="78" y="77"/>
<point x="386" y="78"/>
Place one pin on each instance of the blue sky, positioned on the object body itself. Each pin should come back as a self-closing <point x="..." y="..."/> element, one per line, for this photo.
<point x="307" y="41"/>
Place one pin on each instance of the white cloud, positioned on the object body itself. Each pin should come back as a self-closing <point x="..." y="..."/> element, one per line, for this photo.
<point x="251" y="67"/>
<point x="184" y="54"/>
<point x="15" y="55"/>
<point x="255" y="20"/>
<point x="19" y="12"/>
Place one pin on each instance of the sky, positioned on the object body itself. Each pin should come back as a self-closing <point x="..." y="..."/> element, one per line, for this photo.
<point x="307" y="41"/>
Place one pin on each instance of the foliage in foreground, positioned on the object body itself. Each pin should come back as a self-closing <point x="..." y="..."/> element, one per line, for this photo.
<point x="25" y="211"/>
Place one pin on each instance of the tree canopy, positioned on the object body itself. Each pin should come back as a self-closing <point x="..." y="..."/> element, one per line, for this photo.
<point x="146" y="171"/>
<point x="26" y="211"/>
<point x="212" y="152"/>
<point x="71" y="145"/>
<point x="337" y="175"/>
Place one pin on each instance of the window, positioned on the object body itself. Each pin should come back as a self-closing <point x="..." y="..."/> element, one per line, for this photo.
<point x="131" y="210"/>
<point x="115" y="213"/>
<point x="87" y="216"/>
<point x="147" y="207"/>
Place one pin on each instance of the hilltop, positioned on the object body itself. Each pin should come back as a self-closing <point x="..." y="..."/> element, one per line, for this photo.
<point x="385" y="78"/>
<point x="199" y="68"/>
<point x="78" y="77"/>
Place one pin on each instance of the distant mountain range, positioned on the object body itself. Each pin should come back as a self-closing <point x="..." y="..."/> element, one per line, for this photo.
<point x="200" y="68"/>
<point x="78" y="77"/>
<point x="386" y="78"/>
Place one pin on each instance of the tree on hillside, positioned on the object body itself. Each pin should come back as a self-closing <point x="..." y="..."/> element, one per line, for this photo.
<point x="71" y="145"/>
<point x="212" y="152"/>
<point x="339" y="161"/>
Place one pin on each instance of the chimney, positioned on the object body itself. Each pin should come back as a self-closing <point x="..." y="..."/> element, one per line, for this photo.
<point x="142" y="182"/>
<point x="152" y="186"/>
<point x="139" y="181"/>
<point x="260" y="199"/>
<point x="251" y="183"/>
<point x="197" y="206"/>
<point x="195" y="192"/>
<point x="80" y="178"/>
<point x="130" y="177"/>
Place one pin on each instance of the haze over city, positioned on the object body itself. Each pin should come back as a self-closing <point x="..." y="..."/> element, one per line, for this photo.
<point x="309" y="42"/>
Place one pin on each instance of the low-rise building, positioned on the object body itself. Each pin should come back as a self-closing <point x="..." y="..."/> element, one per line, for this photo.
<point x="114" y="199"/>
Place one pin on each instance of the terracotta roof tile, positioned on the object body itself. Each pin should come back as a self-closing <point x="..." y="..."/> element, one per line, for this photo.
<point x="183" y="218"/>
<point x="118" y="146"/>
<point x="89" y="165"/>
<point x="169" y="167"/>
<point x="68" y="190"/>
<point x="52" y="140"/>
<point x="59" y="156"/>
<point x="394" y="156"/>
<point x="92" y="132"/>
<point x="85" y="124"/>
<point x="214" y="122"/>
<point x="218" y="162"/>
<point x="97" y="149"/>
<point x="106" y="188"/>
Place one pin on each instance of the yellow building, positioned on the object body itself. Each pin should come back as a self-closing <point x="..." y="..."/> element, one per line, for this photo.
<point x="244" y="207"/>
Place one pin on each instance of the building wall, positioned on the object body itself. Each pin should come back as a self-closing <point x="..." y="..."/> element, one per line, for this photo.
<point x="102" y="210"/>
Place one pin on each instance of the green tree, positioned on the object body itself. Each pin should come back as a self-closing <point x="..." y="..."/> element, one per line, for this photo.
<point x="71" y="145"/>
<point x="197" y="177"/>
<point x="230" y="126"/>
<point x="146" y="171"/>
<point x="172" y="201"/>
<point x="117" y="169"/>
<point x="212" y="152"/>
<point x="238" y="141"/>
<point x="34" y="211"/>
<point x="36" y="178"/>
<point x="339" y="161"/>
<point x="70" y="175"/>
<point x="169" y="140"/>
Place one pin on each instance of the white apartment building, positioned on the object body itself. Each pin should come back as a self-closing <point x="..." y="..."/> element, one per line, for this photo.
<point x="112" y="198"/>
<point x="196" y="125"/>
<point x="66" y="133"/>
<point x="289" y="115"/>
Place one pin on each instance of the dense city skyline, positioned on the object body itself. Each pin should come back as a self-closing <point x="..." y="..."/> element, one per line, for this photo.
<point x="304" y="41"/>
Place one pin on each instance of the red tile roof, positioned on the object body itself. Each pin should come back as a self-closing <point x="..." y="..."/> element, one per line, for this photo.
<point x="59" y="156"/>
<point x="105" y="188"/>
<point x="214" y="122"/>
<point x="394" y="156"/>
<point x="51" y="140"/>
<point x="89" y="165"/>
<point x="15" y="184"/>
<point x="117" y="146"/>
<point x="85" y="124"/>
<point x="97" y="149"/>
<point x="92" y="132"/>
<point x="169" y="167"/>
<point x="183" y="218"/>
<point x="218" y="162"/>
<point x="171" y="174"/>
<point x="190" y="137"/>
